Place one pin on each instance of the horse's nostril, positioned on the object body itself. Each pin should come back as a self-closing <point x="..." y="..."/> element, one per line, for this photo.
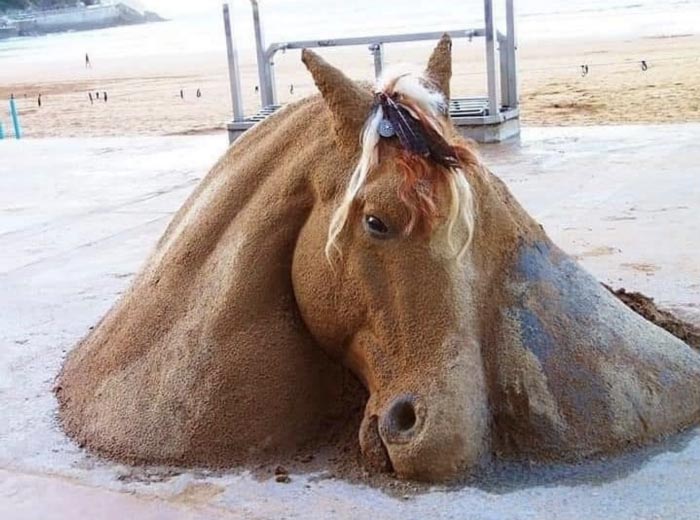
<point x="403" y="415"/>
<point x="402" y="420"/>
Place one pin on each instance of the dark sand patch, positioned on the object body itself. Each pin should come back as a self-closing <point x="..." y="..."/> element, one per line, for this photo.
<point x="645" y="307"/>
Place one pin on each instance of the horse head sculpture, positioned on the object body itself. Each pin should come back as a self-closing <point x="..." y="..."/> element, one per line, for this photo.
<point x="358" y="230"/>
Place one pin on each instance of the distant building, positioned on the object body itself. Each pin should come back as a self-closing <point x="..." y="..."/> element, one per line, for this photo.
<point x="85" y="15"/>
<point x="8" y="29"/>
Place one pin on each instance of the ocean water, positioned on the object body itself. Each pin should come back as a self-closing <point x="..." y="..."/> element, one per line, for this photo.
<point x="198" y="28"/>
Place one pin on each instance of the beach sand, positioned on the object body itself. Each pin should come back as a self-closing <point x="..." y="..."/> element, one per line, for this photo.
<point x="144" y="94"/>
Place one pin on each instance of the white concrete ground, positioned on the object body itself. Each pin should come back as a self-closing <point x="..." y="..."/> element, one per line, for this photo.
<point x="77" y="217"/>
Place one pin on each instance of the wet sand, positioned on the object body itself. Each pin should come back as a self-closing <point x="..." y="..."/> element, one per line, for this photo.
<point x="144" y="95"/>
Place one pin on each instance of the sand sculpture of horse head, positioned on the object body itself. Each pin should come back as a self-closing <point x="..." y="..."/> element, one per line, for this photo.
<point x="356" y="229"/>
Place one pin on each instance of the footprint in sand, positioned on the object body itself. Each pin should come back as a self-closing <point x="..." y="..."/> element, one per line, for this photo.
<point x="597" y="251"/>
<point x="648" y="269"/>
<point x="616" y="218"/>
<point x="198" y="493"/>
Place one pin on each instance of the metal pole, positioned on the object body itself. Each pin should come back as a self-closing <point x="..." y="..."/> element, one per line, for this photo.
<point x="503" y="68"/>
<point x="512" y="64"/>
<point x="267" y="94"/>
<point x="15" y="117"/>
<point x="491" y="66"/>
<point x="270" y="72"/>
<point x="377" y="50"/>
<point x="233" y="74"/>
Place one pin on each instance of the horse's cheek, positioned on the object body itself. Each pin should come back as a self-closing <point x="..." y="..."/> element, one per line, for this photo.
<point x="314" y="285"/>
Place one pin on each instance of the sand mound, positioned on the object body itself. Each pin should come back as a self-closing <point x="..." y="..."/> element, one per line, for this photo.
<point x="645" y="307"/>
<point x="225" y="351"/>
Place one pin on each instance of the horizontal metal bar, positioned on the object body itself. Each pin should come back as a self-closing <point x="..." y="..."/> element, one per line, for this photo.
<point x="475" y="106"/>
<point x="377" y="39"/>
<point x="486" y="120"/>
<point x="468" y="102"/>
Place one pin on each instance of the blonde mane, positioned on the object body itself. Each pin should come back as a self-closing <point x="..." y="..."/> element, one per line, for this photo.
<point x="427" y="105"/>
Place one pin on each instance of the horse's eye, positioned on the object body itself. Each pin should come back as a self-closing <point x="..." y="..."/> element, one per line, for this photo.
<point x="376" y="227"/>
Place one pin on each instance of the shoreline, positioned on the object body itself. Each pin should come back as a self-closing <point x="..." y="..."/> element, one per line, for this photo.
<point x="144" y="93"/>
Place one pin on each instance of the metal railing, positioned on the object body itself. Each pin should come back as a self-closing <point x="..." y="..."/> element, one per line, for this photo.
<point x="376" y="47"/>
<point x="500" y="105"/>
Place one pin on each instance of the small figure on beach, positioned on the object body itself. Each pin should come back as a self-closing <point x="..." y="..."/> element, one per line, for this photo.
<point x="38" y="100"/>
<point x="291" y="88"/>
<point x="97" y="94"/>
<point x="182" y="94"/>
<point x="256" y="89"/>
<point x="88" y="65"/>
<point x="91" y="100"/>
<point x="199" y="93"/>
<point x="104" y="96"/>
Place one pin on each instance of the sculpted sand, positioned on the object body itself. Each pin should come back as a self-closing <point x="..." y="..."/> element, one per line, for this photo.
<point x="239" y="342"/>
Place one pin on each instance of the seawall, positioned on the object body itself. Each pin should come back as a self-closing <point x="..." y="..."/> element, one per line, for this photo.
<point x="80" y="19"/>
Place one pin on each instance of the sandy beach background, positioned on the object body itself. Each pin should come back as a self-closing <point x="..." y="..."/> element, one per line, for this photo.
<point x="144" y="87"/>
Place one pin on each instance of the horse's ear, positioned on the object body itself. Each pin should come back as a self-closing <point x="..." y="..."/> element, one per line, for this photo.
<point x="439" y="69"/>
<point x="349" y="103"/>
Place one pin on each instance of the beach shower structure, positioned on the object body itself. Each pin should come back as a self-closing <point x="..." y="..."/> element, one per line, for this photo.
<point x="14" y="115"/>
<point x="486" y="119"/>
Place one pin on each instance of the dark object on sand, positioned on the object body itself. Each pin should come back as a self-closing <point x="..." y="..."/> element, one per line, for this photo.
<point x="645" y="307"/>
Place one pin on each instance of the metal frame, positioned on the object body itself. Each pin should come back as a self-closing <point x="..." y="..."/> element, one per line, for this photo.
<point x="500" y="106"/>
<point x="376" y="47"/>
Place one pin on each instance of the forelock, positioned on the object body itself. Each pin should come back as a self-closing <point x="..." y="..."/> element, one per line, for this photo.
<point x="425" y="103"/>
